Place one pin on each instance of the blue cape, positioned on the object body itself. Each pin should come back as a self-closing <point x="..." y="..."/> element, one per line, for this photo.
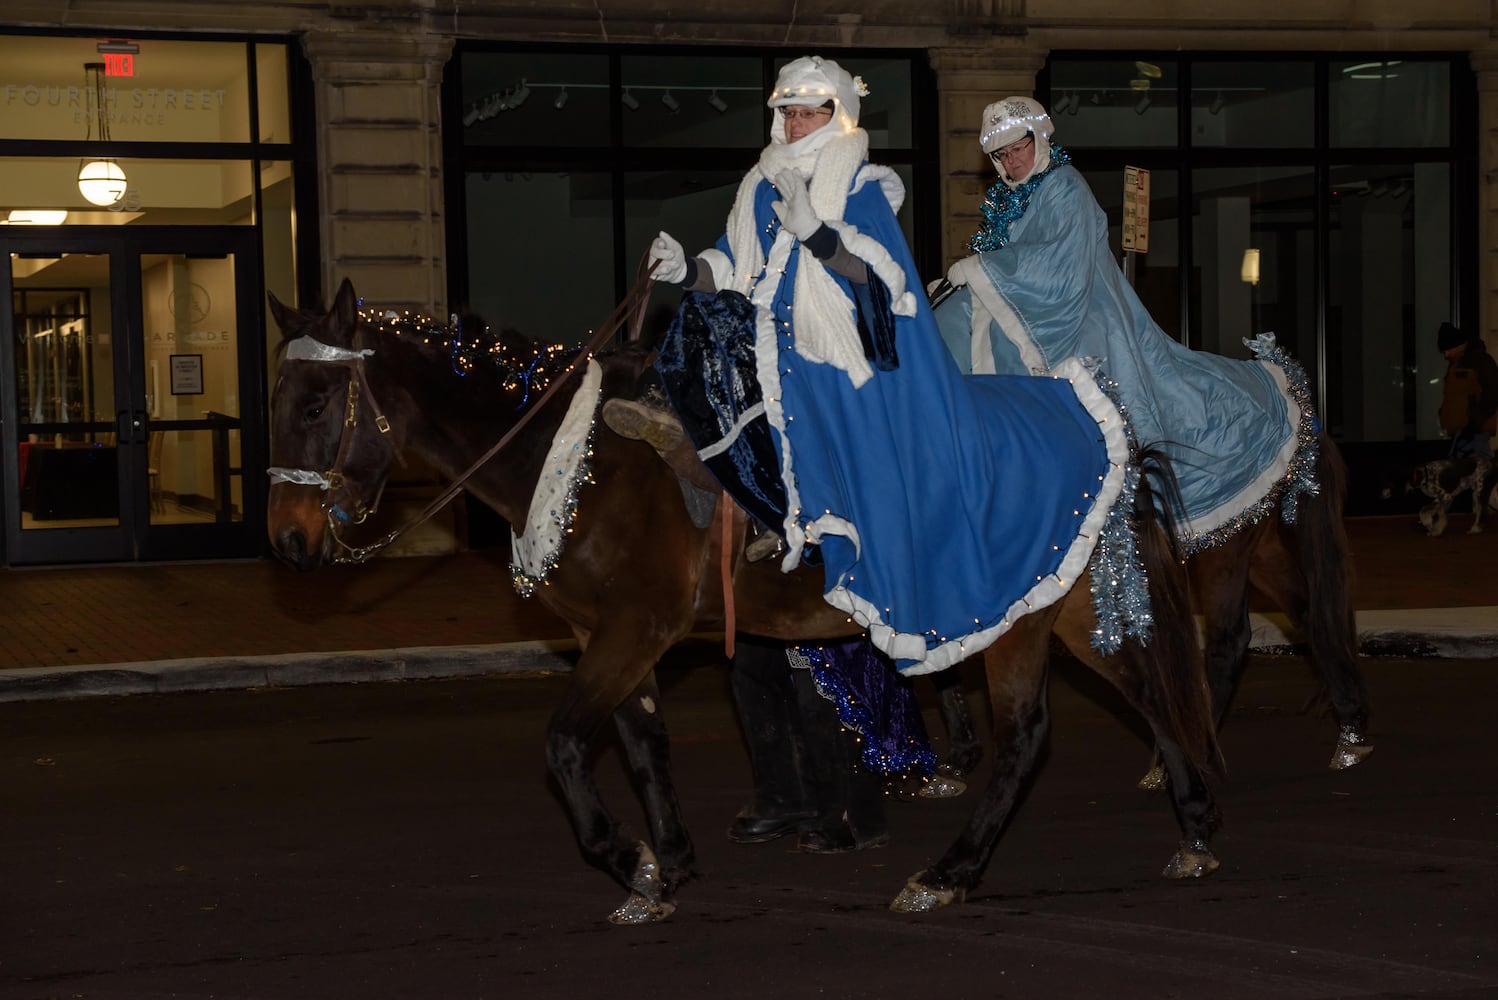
<point x="943" y="507"/>
<point x="1235" y="430"/>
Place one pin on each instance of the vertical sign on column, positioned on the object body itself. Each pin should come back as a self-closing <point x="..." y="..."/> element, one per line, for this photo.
<point x="1136" y="217"/>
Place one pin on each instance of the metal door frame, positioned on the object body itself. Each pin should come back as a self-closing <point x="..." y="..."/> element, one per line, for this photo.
<point x="135" y="538"/>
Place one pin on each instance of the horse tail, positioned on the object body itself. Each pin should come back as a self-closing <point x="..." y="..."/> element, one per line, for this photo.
<point x="1331" y="624"/>
<point x="1173" y="660"/>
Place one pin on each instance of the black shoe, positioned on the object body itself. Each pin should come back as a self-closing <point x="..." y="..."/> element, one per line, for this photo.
<point x="838" y="840"/>
<point x="747" y="829"/>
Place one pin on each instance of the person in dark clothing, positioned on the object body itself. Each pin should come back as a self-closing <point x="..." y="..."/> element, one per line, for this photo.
<point x="807" y="779"/>
<point x="1469" y="398"/>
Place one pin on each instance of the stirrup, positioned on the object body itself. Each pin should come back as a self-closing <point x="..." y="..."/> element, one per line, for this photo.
<point x="639" y="421"/>
<point x="762" y="546"/>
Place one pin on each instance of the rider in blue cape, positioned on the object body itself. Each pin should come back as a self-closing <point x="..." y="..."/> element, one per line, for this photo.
<point x="1043" y="286"/>
<point x="813" y="381"/>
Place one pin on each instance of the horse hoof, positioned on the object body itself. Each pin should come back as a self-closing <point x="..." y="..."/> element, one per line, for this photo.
<point x="1352" y="747"/>
<point x="647" y="901"/>
<point x="639" y="910"/>
<point x="1193" y="859"/>
<point x="918" y="898"/>
<point x="942" y="786"/>
<point x="1154" y="781"/>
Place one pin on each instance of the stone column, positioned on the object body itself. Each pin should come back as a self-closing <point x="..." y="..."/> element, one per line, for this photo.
<point x="968" y="79"/>
<point x="1485" y="63"/>
<point x="379" y="150"/>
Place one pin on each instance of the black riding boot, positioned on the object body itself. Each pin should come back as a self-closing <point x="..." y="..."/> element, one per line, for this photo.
<point x="766" y="700"/>
<point x="850" y="798"/>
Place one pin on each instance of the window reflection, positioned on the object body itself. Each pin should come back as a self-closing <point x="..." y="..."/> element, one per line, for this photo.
<point x="1252" y="104"/>
<point x="1388" y="291"/>
<point x="1114" y="102"/>
<point x="1271" y="210"/>
<point x="557" y="282"/>
<point x="1390" y="102"/>
<point x="669" y="101"/>
<point x="535" y="99"/>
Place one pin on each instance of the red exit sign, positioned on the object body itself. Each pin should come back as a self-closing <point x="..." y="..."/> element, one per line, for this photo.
<point x="119" y="64"/>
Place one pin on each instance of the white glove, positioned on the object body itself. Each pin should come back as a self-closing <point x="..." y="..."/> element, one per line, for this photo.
<point x="673" y="266"/>
<point x="794" y="208"/>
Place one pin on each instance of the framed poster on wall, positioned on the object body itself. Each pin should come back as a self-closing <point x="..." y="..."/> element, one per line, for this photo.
<point x="187" y="374"/>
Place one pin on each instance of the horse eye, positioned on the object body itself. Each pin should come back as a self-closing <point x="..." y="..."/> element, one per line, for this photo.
<point x="313" y="412"/>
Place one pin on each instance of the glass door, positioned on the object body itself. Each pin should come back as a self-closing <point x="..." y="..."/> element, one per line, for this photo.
<point x="133" y="405"/>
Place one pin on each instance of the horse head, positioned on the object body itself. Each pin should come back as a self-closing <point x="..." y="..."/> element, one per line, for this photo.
<point x="331" y="448"/>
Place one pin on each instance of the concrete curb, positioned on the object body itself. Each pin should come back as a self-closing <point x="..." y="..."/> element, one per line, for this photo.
<point x="1450" y="633"/>
<point x="1443" y="633"/>
<point x="285" y="670"/>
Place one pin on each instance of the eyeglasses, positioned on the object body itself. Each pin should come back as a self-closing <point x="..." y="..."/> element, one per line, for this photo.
<point x="805" y="114"/>
<point x="1012" y="150"/>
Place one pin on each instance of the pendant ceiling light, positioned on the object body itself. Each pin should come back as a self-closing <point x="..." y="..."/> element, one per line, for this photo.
<point x="100" y="181"/>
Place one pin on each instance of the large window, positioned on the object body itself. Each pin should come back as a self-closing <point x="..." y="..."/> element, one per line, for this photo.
<point x="1335" y="175"/>
<point x="567" y="164"/>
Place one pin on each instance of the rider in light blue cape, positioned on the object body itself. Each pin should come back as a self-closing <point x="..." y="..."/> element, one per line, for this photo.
<point x="942" y="508"/>
<point x="1044" y="286"/>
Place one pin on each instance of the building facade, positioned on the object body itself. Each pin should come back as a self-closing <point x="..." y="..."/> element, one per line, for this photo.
<point x="516" y="159"/>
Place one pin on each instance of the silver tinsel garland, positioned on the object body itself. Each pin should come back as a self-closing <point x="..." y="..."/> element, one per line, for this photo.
<point x="562" y="516"/>
<point x="1300" y="473"/>
<point x="1120" y="586"/>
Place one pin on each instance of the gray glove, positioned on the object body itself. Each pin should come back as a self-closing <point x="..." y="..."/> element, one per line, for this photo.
<point x="673" y="260"/>
<point x="794" y="208"/>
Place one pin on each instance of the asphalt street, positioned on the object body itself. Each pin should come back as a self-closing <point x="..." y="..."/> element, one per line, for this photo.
<point x="401" y="840"/>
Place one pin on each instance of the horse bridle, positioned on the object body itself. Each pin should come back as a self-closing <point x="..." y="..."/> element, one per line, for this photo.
<point x="342" y="506"/>
<point x="630" y="309"/>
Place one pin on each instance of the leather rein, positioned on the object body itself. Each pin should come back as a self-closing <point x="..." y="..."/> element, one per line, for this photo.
<point x="630" y="309"/>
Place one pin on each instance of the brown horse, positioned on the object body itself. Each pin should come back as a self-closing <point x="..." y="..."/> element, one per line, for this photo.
<point x="1303" y="568"/>
<point x="636" y="576"/>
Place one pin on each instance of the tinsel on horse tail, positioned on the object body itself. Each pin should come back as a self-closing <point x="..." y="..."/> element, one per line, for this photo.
<point x="1120" y="586"/>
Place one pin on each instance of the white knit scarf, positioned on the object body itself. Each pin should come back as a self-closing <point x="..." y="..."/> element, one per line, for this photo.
<point x="828" y="159"/>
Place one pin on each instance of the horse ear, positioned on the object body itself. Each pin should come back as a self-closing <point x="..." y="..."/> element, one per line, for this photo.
<point x="345" y="311"/>
<point x="284" y="317"/>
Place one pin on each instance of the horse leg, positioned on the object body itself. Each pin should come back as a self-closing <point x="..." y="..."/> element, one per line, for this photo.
<point x="964" y="749"/>
<point x="1016" y="666"/>
<point x="1324" y="604"/>
<point x="1318" y="600"/>
<point x="647" y="747"/>
<point x="612" y="666"/>
<point x="1164" y="684"/>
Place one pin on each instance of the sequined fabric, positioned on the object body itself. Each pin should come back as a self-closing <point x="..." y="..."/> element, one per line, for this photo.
<point x="873" y="701"/>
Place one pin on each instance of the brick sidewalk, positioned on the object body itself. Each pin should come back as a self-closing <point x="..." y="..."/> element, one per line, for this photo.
<point x="72" y="616"/>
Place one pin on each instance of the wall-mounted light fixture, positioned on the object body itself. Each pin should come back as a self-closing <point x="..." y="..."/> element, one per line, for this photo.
<point x="1216" y="106"/>
<point x="629" y="100"/>
<point x="1142" y="105"/>
<point x="1249" y="270"/>
<point x="561" y="101"/>
<point x="671" y="103"/>
<point x="717" y="103"/>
